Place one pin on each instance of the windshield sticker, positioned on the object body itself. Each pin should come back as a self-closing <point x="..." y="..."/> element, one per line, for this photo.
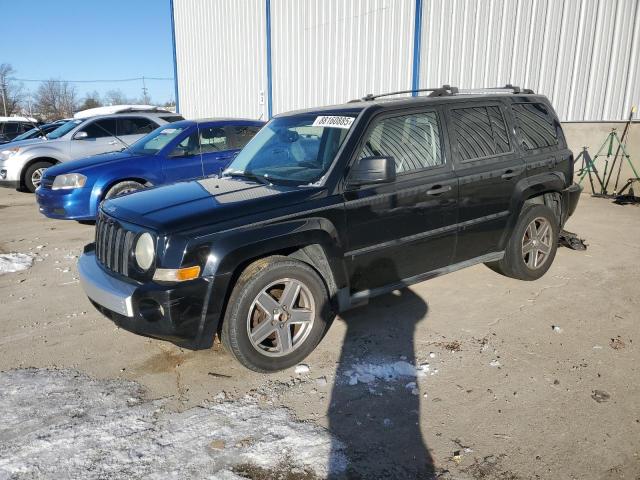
<point x="168" y="131"/>
<point x="333" y="122"/>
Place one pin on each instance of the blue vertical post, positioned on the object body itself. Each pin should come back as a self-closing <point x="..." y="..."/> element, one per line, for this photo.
<point x="269" y="72"/>
<point x="417" y="41"/>
<point x="175" y="61"/>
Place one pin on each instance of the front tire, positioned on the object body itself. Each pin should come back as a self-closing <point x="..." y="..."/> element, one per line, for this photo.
<point x="532" y="246"/>
<point x="33" y="175"/>
<point x="123" y="188"/>
<point x="276" y="315"/>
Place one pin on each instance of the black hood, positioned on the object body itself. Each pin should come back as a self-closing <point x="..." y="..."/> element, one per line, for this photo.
<point x="208" y="202"/>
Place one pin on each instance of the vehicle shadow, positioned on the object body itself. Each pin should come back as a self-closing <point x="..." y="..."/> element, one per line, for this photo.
<point x="378" y="421"/>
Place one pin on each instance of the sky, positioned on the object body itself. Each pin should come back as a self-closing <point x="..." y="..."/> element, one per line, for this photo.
<point x="90" y="40"/>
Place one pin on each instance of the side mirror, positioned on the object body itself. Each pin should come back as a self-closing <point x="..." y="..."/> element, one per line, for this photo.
<point x="80" y="136"/>
<point x="372" y="170"/>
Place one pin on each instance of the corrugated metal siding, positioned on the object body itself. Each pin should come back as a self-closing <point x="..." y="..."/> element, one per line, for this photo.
<point x="583" y="54"/>
<point x="221" y="56"/>
<point x="331" y="51"/>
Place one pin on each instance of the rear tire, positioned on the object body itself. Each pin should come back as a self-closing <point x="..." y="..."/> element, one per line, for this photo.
<point x="33" y="175"/>
<point x="123" y="188"/>
<point x="276" y="315"/>
<point x="532" y="246"/>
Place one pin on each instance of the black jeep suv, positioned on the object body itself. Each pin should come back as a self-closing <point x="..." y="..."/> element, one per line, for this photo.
<point x="327" y="207"/>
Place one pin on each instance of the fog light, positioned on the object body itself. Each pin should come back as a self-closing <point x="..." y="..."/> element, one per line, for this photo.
<point x="150" y="310"/>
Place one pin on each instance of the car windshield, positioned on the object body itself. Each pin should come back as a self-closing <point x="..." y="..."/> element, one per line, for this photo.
<point x="64" y="129"/>
<point x="155" y="141"/>
<point x="26" y="135"/>
<point x="293" y="150"/>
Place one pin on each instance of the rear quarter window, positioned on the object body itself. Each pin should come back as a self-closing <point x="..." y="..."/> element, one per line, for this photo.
<point x="480" y="132"/>
<point x="536" y="126"/>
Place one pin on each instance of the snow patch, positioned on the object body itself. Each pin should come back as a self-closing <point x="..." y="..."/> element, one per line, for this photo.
<point x="387" y="371"/>
<point x="62" y="424"/>
<point x="14" y="262"/>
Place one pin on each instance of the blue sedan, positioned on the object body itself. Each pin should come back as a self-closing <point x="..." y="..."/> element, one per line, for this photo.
<point x="179" y="151"/>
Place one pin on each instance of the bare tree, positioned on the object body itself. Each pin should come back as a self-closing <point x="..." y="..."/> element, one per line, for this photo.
<point x="91" y="100"/>
<point x="55" y="99"/>
<point x="11" y="92"/>
<point x="117" y="97"/>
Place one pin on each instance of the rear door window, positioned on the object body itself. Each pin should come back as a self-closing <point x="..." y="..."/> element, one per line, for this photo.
<point x="537" y="128"/>
<point x="135" y="126"/>
<point x="480" y="132"/>
<point x="242" y="135"/>
<point x="101" y="128"/>
<point x="213" y="139"/>
<point x="412" y="140"/>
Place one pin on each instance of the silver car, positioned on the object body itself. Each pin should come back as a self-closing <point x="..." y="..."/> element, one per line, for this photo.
<point x="23" y="163"/>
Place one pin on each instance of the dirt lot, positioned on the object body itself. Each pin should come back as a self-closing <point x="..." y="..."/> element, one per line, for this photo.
<point x="504" y="394"/>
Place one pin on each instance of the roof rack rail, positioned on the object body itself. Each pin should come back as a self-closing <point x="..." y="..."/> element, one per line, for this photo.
<point x="514" y="89"/>
<point x="435" y="92"/>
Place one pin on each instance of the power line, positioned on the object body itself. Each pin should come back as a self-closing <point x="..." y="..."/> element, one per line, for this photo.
<point x="113" y="80"/>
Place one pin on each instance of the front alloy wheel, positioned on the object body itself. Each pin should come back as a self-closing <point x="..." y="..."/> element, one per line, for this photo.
<point x="281" y="317"/>
<point x="276" y="315"/>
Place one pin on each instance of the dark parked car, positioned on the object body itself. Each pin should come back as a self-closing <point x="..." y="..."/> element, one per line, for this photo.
<point x="11" y="127"/>
<point x="183" y="150"/>
<point x="40" y="131"/>
<point x="328" y="207"/>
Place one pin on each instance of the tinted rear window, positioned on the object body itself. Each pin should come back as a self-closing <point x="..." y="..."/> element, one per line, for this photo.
<point x="537" y="127"/>
<point x="480" y="132"/>
<point x="172" y="118"/>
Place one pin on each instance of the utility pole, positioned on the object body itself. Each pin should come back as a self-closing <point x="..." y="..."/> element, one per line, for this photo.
<point x="3" y="85"/>
<point x="145" y="96"/>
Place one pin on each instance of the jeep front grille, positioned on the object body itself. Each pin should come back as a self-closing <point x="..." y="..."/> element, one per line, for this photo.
<point x="113" y="244"/>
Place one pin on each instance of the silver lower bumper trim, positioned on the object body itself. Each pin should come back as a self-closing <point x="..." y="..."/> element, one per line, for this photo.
<point x="104" y="289"/>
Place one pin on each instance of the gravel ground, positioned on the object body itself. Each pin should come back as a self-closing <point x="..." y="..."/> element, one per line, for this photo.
<point x="465" y="372"/>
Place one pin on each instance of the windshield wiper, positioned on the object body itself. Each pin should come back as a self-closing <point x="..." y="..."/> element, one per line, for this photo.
<point x="249" y="175"/>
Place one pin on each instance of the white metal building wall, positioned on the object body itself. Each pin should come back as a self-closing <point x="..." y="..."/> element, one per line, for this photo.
<point x="583" y="54"/>
<point x="331" y="51"/>
<point x="221" y="57"/>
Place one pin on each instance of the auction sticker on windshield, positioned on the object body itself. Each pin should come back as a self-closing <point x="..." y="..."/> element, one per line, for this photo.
<point x="332" y="121"/>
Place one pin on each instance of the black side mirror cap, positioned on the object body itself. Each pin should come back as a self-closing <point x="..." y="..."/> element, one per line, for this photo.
<point x="372" y="170"/>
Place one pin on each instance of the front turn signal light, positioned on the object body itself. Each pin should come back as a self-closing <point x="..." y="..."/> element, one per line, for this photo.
<point x="176" y="275"/>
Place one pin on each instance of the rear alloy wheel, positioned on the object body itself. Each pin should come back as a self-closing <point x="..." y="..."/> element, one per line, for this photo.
<point x="33" y="175"/>
<point x="533" y="244"/>
<point x="276" y="315"/>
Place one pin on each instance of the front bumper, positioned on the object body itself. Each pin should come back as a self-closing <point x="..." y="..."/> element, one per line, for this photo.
<point x="570" y="198"/>
<point x="65" y="204"/>
<point x="183" y="313"/>
<point x="10" y="170"/>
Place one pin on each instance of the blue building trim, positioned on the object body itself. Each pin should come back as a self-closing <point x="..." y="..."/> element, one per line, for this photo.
<point x="417" y="41"/>
<point x="175" y="61"/>
<point x="269" y="71"/>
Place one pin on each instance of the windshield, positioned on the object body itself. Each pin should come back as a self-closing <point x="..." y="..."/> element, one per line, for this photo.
<point x="297" y="149"/>
<point x="26" y="135"/>
<point x="64" y="129"/>
<point x="155" y="141"/>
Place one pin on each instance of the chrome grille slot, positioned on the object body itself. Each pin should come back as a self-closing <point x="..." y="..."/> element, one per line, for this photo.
<point x="113" y="244"/>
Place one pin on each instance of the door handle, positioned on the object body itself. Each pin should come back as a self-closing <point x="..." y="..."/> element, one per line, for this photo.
<point x="439" y="189"/>
<point x="509" y="174"/>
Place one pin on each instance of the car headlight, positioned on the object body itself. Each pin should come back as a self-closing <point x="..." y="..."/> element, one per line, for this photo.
<point x="69" y="181"/>
<point x="8" y="152"/>
<point x="145" y="251"/>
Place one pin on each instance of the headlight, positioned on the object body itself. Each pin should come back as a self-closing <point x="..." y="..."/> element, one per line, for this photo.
<point x="145" y="251"/>
<point x="9" y="152"/>
<point x="69" y="181"/>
